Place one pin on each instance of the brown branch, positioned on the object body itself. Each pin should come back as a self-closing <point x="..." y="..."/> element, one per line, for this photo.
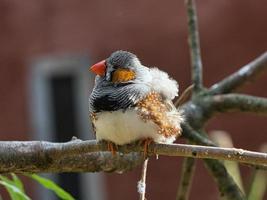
<point x="45" y="156"/>
<point x="193" y="40"/>
<point x="92" y="162"/>
<point x="96" y="162"/>
<point x="243" y="75"/>
<point x="37" y="157"/>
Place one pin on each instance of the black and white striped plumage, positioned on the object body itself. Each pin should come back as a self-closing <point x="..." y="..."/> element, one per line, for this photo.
<point x="127" y="109"/>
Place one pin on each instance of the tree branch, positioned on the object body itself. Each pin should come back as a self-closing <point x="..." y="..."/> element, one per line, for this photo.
<point x="198" y="111"/>
<point x="193" y="40"/>
<point x="47" y="157"/>
<point x="188" y="169"/>
<point x="37" y="157"/>
<point x="223" y="139"/>
<point x="236" y="102"/>
<point x="243" y="75"/>
<point x="194" y="137"/>
<point x="225" y="182"/>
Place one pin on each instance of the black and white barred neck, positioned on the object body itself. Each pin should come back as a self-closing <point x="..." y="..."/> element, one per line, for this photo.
<point x="108" y="96"/>
<point x="112" y="98"/>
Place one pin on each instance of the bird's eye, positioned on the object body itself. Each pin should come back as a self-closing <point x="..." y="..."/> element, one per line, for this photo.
<point x="122" y="75"/>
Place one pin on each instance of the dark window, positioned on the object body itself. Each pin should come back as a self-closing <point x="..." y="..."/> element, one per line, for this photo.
<point x="65" y="125"/>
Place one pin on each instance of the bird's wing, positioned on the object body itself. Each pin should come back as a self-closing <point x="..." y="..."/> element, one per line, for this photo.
<point x="162" y="113"/>
<point x="116" y="97"/>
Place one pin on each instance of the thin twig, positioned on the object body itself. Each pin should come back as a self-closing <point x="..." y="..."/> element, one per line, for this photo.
<point x="196" y="151"/>
<point x="187" y="173"/>
<point x="142" y="183"/>
<point x="242" y="76"/>
<point x="193" y="39"/>
<point x="185" y="96"/>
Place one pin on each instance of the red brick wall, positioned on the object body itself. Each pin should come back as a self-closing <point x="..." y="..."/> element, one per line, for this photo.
<point x="232" y="33"/>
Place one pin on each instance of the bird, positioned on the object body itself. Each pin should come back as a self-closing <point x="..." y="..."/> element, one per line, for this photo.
<point x="131" y="102"/>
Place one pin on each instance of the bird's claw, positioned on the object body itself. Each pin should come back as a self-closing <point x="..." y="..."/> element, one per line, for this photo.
<point x="146" y="142"/>
<point x="112" y="148"/>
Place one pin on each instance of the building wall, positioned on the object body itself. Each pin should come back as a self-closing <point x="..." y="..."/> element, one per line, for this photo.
<point x="232" y="34"/>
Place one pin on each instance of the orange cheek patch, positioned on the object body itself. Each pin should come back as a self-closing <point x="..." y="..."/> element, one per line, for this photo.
<point x="122" y="75"/>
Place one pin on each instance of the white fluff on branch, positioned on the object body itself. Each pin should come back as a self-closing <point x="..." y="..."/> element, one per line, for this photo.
<point x="141" y="187"/>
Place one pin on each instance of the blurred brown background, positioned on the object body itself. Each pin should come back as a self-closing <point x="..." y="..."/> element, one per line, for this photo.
<point x="232" y="33"/>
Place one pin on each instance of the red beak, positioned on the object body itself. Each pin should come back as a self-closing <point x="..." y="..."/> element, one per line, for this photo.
<point x="99" y="68"/>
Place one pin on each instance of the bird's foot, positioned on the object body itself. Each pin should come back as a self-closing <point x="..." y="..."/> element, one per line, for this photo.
<point x="146" y="142"/>
<point x="112" y="148"/>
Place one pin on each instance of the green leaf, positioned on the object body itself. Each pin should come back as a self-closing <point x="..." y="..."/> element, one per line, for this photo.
<point x="258" y="185"/>
<point x="52" y="186"/>
<point x="12" y="195"/>
<point x="18" y="182"/>
<point x="15" y="193"/>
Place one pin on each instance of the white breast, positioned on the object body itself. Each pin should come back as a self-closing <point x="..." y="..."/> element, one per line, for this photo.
<point x="125" y="127"/>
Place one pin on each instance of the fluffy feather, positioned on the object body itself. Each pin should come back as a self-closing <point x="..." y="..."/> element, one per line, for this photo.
<point x="163" y="84"/>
